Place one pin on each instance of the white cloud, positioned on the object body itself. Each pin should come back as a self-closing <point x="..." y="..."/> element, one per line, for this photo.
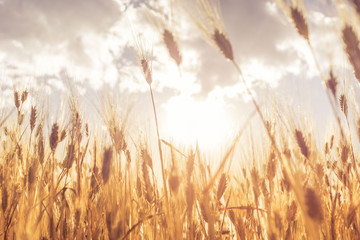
<point x="93" y="42"/>
<point x="42" y="37"/>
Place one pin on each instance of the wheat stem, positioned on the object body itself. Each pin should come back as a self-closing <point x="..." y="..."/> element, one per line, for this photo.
<point x="295" y="186"/>
<point x="323" y="78"/>
<point x="159" y="145"/>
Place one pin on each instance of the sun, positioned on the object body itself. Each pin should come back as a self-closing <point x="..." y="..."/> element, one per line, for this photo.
<point x="204" y="122"/>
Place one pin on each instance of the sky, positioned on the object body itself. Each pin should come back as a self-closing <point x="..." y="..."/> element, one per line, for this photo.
<point x="53" y="46"/>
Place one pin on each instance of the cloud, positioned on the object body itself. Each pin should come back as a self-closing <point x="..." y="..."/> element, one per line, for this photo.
<point x="268" y="48"/>
<point x="254" y="29"/>
<point x="40" y="37"/>
<point x="90" y="38"/>
<point x="91" y="43"/>
<point x="34" y="26"/>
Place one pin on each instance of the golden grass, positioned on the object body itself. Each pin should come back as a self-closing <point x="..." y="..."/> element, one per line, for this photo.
<point x="260" y="204"/>
<point x="66" y="183"/>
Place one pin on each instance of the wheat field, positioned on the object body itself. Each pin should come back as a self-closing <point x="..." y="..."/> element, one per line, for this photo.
<point x="61" y="179"/>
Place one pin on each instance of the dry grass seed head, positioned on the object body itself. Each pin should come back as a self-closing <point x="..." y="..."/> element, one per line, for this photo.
<point x="244" y="172"/>
<point x="146" y="158"/>
<point x="33" y="116"/>
<point x="224" y="45"/>
<point x="40" y="149"/>
<point x="344" y="153"/>
<point x="39" y="130"/>
<point x="204" y="212"/>
<point x="351" y="42"/>
<point x="172" y="46"/>
<point x="128" y="156"/>
<point x="54" y="137"/>
<point x="174" y="183"/>
<point x="24" y="96"/>
<point x="356" y="4"/>
<point x="106" y="166"/>
<point x="143" y="58"/>
<point x="331" y="142"/>
<point x="285" y="183"/>
<point x="70" y="156"/>
<point x="94" y="183"/>
<point x="299" y="21"/>
<point x="327" y="182"/>
<point x="351" y="215"/>
<point x="319" y="170"/>
<point x="138" y="187"/>
<point x="62" y="135"/>
<point x="291" y="212"/>
<point x="16" y="99"/>
<point x="232" y="216"/>
<point x="313" y="204"/>
<point x="271" y="167"/>
<point x="115" y="126"/>
<point x="31" y="175"/>
<point x="326" y="148"/>
<point x="343" y="104"/>
<point x="256" y="184"/>
<point x="146" y="70"/>
<point x="75" y="122"/>
<point x="331" y="83"/>
<point x="208" y="19"/>
<point x="221" y="187"/>
<point x="302" y="143"/>
<point x="87" y="129"/>
<point x="21" y="118"/>
<point x="264" y="189"/>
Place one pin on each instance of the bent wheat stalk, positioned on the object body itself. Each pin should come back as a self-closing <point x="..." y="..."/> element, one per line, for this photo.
<point x="159" y="145"/>
<point x="224" y="45"/>
<point x="148" y="77"/>
<point x="145" y="65"/>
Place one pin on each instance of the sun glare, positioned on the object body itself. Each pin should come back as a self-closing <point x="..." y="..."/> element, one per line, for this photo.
<point x="189" y="121"/>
